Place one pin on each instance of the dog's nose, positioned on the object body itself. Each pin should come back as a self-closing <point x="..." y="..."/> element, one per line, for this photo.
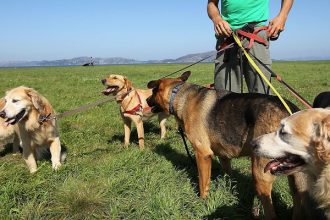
<point x="103" y="81"/>
<point x="2" y="114"/>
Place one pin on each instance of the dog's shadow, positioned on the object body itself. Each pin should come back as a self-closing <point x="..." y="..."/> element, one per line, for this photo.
<point x="244" y="185"/>
<point x="149" y="127"/>
<point x="45" y="154"/>
<point x="8" y="149"/>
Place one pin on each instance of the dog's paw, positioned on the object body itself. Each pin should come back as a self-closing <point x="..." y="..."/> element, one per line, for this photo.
<point x="56" y="165"/>
<point x="33" y="170"/>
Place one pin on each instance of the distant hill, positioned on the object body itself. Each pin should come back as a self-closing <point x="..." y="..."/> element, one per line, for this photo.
<point x="78" y="61"/>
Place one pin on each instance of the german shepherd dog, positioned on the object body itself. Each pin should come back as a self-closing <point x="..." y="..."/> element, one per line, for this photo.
<point x="222" y="125"/>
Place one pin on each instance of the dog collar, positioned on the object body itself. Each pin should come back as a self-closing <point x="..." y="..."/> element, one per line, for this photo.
<point x="173" y="94"/>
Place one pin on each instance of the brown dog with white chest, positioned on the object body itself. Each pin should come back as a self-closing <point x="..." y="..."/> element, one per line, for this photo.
<point x="133" y="106"/>
<point x="222" y="124"/>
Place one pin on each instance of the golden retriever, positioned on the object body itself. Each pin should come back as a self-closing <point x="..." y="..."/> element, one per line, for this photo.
<point x="133" y="105"/>
<point x="302" y="143"/>
<point x="7" y="132"/>
<point x="24" y="107"/>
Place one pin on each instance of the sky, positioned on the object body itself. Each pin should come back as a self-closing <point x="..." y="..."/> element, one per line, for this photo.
<point x="142" y="30"/>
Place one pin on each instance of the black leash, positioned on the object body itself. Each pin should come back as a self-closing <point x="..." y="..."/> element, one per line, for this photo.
<point x="201" y="60"/>
<point x="186" y="146"/>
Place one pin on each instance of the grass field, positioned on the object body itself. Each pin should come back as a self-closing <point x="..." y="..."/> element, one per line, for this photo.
<point x="103" y="180"/>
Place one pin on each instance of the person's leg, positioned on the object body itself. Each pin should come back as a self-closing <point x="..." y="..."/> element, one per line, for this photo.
<point x="253" y="80"/>
<point x="227" y="72"/>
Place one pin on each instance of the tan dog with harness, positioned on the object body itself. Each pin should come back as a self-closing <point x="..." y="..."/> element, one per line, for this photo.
<point x="133" y="106"/>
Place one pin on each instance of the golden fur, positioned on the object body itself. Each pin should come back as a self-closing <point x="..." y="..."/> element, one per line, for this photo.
<point x="7" y="132"/>
<point x="303" y="142"/>
<point x="23" y="108"/>
<point x="127" y="98"/>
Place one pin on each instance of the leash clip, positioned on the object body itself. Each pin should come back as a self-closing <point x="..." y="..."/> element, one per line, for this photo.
<point x="44" y="118"/>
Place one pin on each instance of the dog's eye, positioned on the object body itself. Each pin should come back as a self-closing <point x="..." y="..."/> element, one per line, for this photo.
<point x="14" y="100"/>
<point x="282" y="132"/>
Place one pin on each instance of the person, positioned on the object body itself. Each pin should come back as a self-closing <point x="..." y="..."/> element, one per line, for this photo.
<point x="230" y="64"/>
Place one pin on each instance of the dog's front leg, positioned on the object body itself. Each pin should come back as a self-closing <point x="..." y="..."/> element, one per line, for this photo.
<point x="204" y="162"/>
<point x="55" y="150"/>
<point x="127" y="129"/>
<point x="162" y="119"/>
<point x="263" y="183"/>
<point x="16" y="144"/>
<point x="28" y="156"/>
<point x="140" y="130"/>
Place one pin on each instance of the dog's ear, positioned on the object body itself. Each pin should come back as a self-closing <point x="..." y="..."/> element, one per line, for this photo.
<point x="153" y="84"/>
<point x="128" y="84"/>
<point x="39" y="102"/>
<point x="185" y="76"/>
<point x="322" y="140"/>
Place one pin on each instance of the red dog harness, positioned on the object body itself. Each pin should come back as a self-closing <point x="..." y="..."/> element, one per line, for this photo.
<point x="253" y="36"/>
<point x="138" y="107"/>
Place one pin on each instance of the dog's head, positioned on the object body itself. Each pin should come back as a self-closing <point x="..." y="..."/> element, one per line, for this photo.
<point x="115" y="84"/>
<point x="20" y="101"/>
<point x="302" y="142"/>
<point x="161" y="91"/>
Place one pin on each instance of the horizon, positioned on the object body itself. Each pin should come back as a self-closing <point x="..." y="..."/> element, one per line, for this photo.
<point x="142" y="31"/>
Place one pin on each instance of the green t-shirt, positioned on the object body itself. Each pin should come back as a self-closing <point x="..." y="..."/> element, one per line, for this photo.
<point x="240" y="12"/>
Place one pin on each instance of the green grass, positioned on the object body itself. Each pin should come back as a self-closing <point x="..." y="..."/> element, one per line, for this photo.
<point x="102" y="179"/>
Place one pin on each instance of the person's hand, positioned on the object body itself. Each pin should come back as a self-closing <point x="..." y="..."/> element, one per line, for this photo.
<point x="276" y="26"/>
<point x="221" y="27"/>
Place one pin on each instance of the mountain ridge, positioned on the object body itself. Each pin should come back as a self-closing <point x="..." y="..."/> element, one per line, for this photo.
<point x="78" y="61"/>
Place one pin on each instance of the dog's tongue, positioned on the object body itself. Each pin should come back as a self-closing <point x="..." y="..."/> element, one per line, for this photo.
<point x="9" y="122"/>
<point x="271" y="165"/>
<point x="108" y="91"/>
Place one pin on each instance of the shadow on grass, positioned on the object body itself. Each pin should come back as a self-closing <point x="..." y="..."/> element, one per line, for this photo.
<point x="244" y="186"/>
<point x="7" y="149"/>
<point x="148" y="126"/>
